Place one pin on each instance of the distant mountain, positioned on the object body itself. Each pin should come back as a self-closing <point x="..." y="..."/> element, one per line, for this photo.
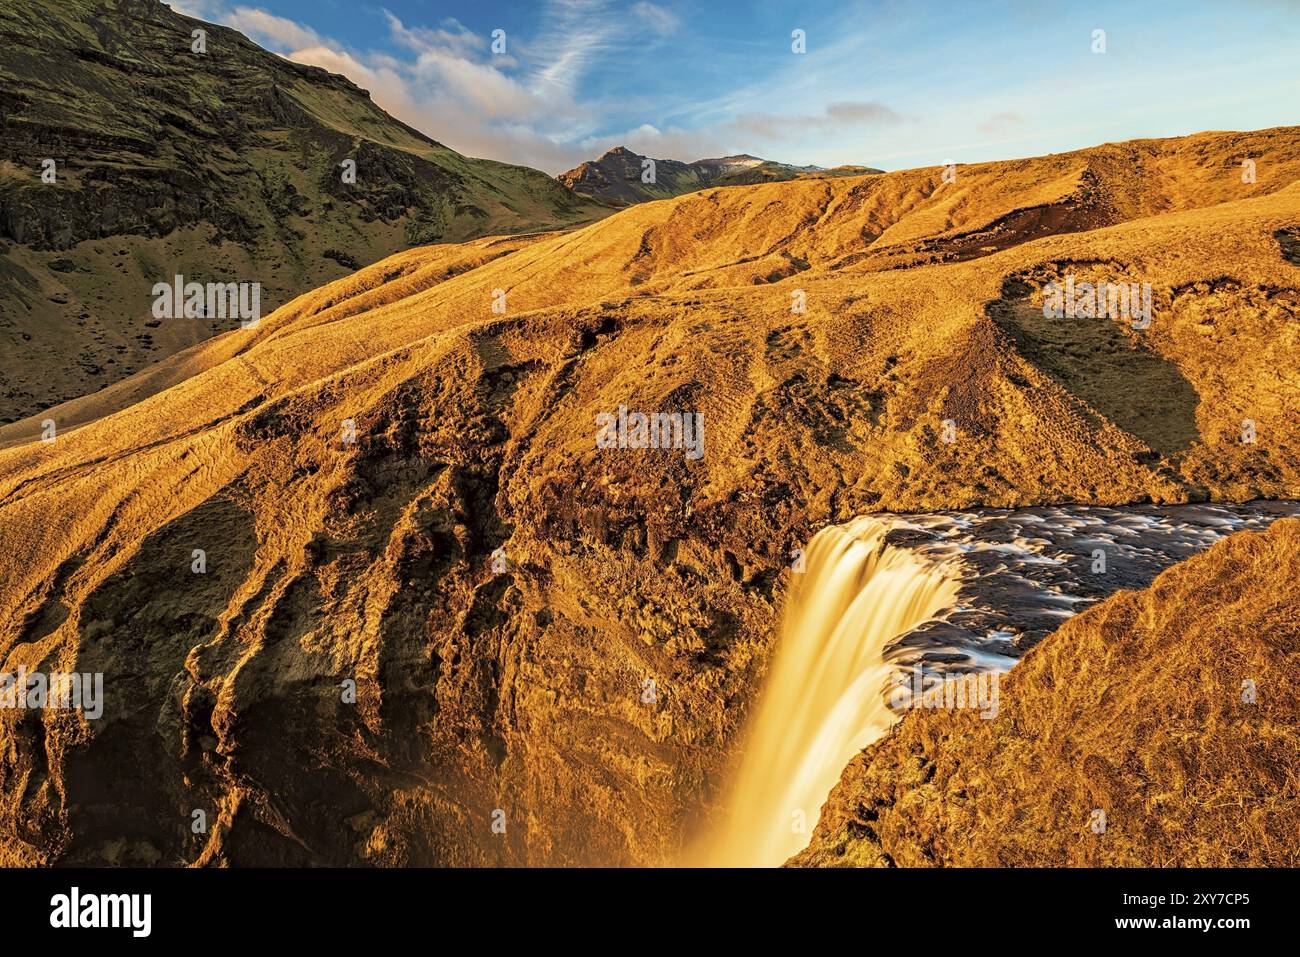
<point x="222" y="166"/>
<point x="616" y="178"/>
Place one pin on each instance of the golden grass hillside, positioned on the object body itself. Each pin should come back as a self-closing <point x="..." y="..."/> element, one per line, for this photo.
<point x="723" y="238"/>
<point x="1172" y="710"/>
<point x="330" y="560"/>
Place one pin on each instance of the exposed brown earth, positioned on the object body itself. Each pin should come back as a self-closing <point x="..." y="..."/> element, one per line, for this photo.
<point x="522" y="690"/>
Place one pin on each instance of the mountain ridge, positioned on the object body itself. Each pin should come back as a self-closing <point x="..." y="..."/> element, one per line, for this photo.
<point x="222" y="166"/>
<point x="616" y="177"/>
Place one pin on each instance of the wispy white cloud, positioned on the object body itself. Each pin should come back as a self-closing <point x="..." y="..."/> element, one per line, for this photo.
<point x="277" y="30"/>
<point x="450" y="35"/>
<point x="658" y="18"/>
<point x="577" y="33"/>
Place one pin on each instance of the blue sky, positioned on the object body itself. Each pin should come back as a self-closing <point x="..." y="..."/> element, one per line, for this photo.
<point x="890" y="84"/>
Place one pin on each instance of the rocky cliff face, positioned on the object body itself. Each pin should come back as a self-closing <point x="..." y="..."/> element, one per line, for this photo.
<point x="553" y="643"/>
<point x="1157" y="729"/>
<point x="221" y="166"/>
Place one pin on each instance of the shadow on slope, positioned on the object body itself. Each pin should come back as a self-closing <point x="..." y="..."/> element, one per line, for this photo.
<point x="1289" y="240"/>
<point x="127" y="797"/>
<point x="1103" y="362"/>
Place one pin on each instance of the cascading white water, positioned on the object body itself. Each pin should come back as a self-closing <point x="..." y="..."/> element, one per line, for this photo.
<point x="824" y="697"/>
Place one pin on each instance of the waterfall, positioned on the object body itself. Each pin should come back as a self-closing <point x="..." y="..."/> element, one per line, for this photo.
<point x="824" y="696"/>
